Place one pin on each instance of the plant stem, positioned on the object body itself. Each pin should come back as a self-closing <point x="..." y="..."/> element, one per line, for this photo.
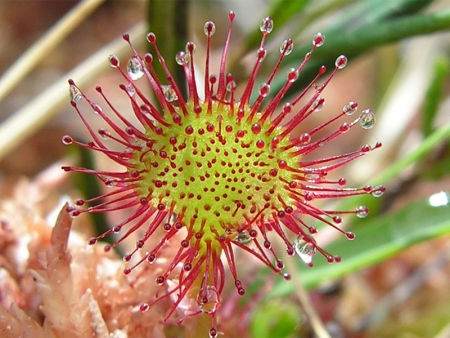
<point x="41" y="109"/>
<point x="45" y="45"/>
<point x="302" y="295"/>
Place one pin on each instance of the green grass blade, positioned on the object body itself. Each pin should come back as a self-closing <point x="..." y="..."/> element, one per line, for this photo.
<point x="356" y="42"/>
<point x="169" y="21"/>
<point x="379" y="239"/>
<point x="434" y="95"/>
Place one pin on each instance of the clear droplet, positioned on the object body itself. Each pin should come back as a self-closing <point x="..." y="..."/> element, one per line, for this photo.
<point x="367" y="119"/>
<point x="181" y="58"/>
<point x="361" y="211"/>
<point x="243" y="238"/>
<point x="208" y="300"/>
<point x="287" y="46"/>
<point x="231" y="85"/>
<point x="305" y="248"/>
<point x="151" y="37"/>
<point x="305" y="138"/>
<point x="134" y="68"/>
<point x="66" y="139"/>
<point x="345" y="127"/>
<point x="190" y="48"/>
<point x="312" y="178"/>
<point x="104" y="134"/>
<point x="262" y="53"/>
<point x="266" y="25"/>
<point x="96" y="108"/>
<point x="213" y="333"/>
<point x="318" y="104"/>
<point x="114" y="61"/>
<point x="378" y="191"/>
<point x="75" y="94"/>
<point x="169" y="93"/>
<point x="292" y="75"/>
<point x="264" y="90"/>
<point x="318" y="39"/>
<point x="209" y="28"/>
<point x="350" y="108"/>
<point x="287" y="108"/>
<point x="130" y="89"/>
<point x="341" y="62"/>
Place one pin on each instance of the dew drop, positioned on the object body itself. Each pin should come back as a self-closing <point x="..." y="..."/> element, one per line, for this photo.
<point x="243" y="238"/>
<point x="209" y="28"/>
<point x="318" y="104"/>
<point x="208" y="300"/>
<point x="262" y="53"/>
<point x="181" y="58"/>
<point x="292" y="75"/>
<point x="97" y="109"/>
<point x="130" y="89"/>
<point x="151" y="37"/>
<point x="160" y="280"/>
<point x="190" y="48"/>
<point x="104" y="134"/>
<point x="66" y="139"/>
<point x="350" y="235"/>
<point x="312" y="177"/>
<point x="169" y="93"/>
<point x="151" y="258"/>
<point x="134" y="68"/>
<point x="264" y="90"/>
<point x="305" y="138"/>
<point x="367" y="119"/>
<point x="213" y="333"/>
<point x="75" y="94"/>
<point x="341" y="62"/>
<point x="378" y="191"/>
<point x="231" y="86"/>
<point x="148" y="57"/>
<point x="318" y="39"/>
<point x="287" y="46"/>
<point x="279" y="264"/>
<point x="144" y="307"/>
<point x="361" y="211"/>
<point x="266" y="25"/>
<point x="287" y="108"/>
<point x="350" y="108"/>
<point x="305" y="248"/>
<point x="365" y="149"/>
<point x="114" y="61"/>
<point x="344" y="127"/>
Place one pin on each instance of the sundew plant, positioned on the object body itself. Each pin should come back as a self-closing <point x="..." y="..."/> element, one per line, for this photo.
<point x="240" y="166"/>
<point x="224" y="170"/>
